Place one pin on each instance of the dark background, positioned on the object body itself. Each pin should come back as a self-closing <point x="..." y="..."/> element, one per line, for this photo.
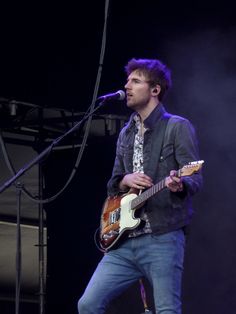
<point x="50" y="57"/>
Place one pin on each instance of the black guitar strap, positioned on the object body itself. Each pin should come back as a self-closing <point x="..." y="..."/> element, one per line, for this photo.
<point x="165" y="121"/>
<point x="161" y="130"/>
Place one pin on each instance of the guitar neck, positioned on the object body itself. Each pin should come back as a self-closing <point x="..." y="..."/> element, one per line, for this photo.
<point x="147" y="194"/>
<point x="187" y="170"/>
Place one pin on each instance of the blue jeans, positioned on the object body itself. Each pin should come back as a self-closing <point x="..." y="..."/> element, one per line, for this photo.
<point x="159" y="258"/>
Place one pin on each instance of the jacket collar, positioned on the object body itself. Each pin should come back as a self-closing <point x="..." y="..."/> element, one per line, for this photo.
<point x="153" y="118"/>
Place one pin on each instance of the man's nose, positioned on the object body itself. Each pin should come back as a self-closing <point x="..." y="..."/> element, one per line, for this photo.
<point x="126" y="85"/>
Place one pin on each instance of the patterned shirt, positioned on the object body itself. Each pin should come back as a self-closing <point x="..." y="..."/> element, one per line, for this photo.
<point x="138" y="167"/>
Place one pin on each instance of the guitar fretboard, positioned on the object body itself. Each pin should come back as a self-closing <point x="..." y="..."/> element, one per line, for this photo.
<point x="148" y="193"/>
<point x="187" y="170"/>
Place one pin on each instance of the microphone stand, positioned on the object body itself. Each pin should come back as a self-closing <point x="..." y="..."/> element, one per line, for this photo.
<point x="38" y="158"/>
<point x="19" y="187"/>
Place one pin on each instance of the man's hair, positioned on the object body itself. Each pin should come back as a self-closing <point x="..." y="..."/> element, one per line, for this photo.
<point x="154" y="70"/>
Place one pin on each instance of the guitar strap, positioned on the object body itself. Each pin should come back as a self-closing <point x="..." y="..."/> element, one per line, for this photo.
<point x="165" y="120"/>
<point x="161" y="130"/>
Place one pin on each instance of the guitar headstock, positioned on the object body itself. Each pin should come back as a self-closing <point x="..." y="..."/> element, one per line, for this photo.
<point x="190" y="168"/>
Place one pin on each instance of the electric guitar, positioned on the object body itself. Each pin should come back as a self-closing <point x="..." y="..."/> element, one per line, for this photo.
<point x="118" y="213"/>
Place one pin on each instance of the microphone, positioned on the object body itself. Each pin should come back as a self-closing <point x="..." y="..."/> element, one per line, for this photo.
<point x="119" y="95"/>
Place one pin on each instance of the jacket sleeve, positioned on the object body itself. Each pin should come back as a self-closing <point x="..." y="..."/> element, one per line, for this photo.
<point x="186" y="150"/>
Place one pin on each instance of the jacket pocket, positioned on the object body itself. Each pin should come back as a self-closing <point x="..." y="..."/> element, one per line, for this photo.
<point x="126" y="154"/>
<point x="166" y="152"/>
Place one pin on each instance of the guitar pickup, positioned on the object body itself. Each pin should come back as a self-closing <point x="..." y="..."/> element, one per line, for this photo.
<point x="114" y="216"/>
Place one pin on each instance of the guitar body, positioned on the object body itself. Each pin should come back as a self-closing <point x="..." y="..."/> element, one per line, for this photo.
<point x="117" y="217"/>
<point x="118" y="211"/>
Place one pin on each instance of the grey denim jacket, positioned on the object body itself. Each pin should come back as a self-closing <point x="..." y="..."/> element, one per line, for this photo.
<point x="167" y="211"/>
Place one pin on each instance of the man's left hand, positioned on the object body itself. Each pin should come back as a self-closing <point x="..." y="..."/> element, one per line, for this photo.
<point x="173" y="182"/>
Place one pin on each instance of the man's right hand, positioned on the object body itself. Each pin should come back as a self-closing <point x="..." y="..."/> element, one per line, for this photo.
<point x="135" y="180"/>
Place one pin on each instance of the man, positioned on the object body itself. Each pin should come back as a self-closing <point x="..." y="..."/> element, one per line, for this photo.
<point x="151" y="147"/>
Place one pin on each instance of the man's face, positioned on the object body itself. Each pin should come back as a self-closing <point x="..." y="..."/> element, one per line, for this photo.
<point x="138" y="91"/>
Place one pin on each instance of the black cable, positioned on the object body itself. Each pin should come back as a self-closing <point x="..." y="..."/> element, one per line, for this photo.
<point x="88" y="115"/>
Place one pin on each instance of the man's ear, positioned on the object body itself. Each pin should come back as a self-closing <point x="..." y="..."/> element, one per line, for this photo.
<point x="156" y="90"/>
